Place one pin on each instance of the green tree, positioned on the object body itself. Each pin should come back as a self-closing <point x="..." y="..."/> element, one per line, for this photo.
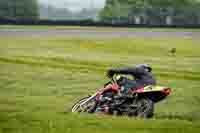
<point x="152" y="11"/>
<point x="19" y="9"/>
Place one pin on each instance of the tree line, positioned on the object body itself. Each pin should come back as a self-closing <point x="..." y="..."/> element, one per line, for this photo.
<point x="150" y="12"/>
<point x="33" y="10"/>
<point x="19" y="9"/>
<point x="154" y="12"/>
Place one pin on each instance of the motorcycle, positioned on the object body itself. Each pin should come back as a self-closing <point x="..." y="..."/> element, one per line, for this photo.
<point x="138" y="103"/>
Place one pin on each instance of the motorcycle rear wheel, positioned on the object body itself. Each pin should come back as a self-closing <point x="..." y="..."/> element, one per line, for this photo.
<point x="145" y="108"/>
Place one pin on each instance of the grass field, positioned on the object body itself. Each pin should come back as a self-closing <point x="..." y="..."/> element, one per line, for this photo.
<point x="93" y="28"/>
<point x="42" y="77"/>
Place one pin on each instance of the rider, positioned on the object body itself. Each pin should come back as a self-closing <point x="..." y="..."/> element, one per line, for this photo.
<point x="141" y="73"/>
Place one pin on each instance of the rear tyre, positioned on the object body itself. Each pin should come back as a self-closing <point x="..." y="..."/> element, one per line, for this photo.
<point x="145" y="108"/>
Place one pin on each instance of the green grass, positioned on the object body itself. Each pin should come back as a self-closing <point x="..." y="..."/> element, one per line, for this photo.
<point x="107" y="29"/>
<point x="42" y="77"/>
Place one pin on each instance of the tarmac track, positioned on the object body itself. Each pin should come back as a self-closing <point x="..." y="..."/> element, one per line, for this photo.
<point x="95" y="33"/>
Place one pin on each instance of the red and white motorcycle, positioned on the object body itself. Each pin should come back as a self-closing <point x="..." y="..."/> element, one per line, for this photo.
<point x="139" y="102"/>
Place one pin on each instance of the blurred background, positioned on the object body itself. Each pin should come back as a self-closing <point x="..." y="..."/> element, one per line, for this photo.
<point x="127" y="12"/>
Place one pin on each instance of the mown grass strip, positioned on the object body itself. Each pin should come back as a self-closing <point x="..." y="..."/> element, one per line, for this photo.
<point x="84" y="66"/>
<point x="50" y="64"/>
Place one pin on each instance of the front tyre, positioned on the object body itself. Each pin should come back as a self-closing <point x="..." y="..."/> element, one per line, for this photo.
<point x="145" y="108"/>
<point x="86" y="107"/>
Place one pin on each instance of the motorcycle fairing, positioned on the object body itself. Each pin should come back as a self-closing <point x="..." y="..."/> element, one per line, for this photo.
<point x="155" y="93"/>
<point x="151" y="88"/>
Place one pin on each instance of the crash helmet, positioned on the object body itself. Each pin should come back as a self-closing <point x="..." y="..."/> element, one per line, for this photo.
<point x="145" y="66"/>
<point x="120" y="79"/>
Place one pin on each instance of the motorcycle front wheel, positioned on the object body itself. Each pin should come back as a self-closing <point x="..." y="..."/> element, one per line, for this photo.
<point x="86" y="107"/>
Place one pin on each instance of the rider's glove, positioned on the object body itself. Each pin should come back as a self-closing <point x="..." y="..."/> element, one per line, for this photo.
<point x="110" y="73"/>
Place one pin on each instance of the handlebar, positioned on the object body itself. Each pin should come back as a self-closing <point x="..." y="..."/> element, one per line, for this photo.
<point x="113" y="78"/>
